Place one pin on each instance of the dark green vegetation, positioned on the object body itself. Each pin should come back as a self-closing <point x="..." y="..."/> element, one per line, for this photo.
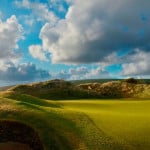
<point x="145" y="81"/>
<point x="118" y="124"/>
<point x="54" y="90"/>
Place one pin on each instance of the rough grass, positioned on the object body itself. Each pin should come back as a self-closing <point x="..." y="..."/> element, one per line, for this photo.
<point x="117" y="89"/>
<point x="82" y="124"/>
<point x="63" y="90"/>
<point x="46" y="120"/>
<point x="52" y="90"/>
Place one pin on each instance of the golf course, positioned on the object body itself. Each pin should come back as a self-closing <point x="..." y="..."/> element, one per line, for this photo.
<point x="76" y="124"/>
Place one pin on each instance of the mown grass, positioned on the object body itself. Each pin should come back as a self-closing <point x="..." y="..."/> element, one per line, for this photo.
<point x="82" y="124"/>
<point x="127" y="122"/>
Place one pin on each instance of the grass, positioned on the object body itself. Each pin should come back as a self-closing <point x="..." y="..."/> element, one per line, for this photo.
<point x="127" y="122"/>
<point x="146" y="81"/>
<point x="82" y="124"/>
<point x="47" y="120"/>
<point x="64" y="90"/>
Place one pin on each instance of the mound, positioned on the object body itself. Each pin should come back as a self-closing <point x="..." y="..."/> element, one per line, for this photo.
<point x="117" y="89"/>
<point x="60" y="89"/>
<point x="41" y="86"/>
<point x="53" y="89"/>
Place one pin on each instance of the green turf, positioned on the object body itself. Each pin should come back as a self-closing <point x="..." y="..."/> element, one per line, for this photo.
<point x="82" y="124"/>
<point x="127" y="122"/>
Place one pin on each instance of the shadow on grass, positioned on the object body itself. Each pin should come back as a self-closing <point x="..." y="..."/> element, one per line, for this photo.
<point x="29" y="100"/>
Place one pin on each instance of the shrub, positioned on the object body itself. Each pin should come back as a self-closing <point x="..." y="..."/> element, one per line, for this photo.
<point x="132" y="80"/>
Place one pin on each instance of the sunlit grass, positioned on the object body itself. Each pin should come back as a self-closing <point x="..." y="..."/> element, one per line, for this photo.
<point x="82" y="124"/>
<point x="128" y="122"/>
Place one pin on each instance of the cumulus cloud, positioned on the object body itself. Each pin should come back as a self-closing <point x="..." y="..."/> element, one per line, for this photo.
<point x="58" y="5"/>
<point x="28" y="72"/>
<point x="37" y="52"/>
<point x="10" y="33"/>
<point x="98" y="73"/>
<point x="62" y="75"/>
<point x="78" y="71"/>
<point x="96" y="29"/>
<point x="39" y="10"/>
<point x="83" y="73"/>
<point x="137" y="64"/>
<point x="23" y="72"/>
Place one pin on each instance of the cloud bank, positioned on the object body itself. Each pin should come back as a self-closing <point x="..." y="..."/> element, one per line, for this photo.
<point x="137" y="64"/>
<point x="11" y="32"/>
<point x="23" y="72"/>
<point x="83" y="73"/>
<point x="96" y="29"/>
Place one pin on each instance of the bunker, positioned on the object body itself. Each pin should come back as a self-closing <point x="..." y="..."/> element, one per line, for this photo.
<point x="18" y="136"/>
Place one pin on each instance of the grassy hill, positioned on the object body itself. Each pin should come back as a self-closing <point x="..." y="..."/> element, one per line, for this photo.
<point x="53" y="89"/>
<point x="145" y="81"/>
<point x="60" y="89"/>
<point x="75" y="124"/>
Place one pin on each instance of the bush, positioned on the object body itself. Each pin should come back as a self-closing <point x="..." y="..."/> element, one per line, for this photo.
<point x="132" y="80"/>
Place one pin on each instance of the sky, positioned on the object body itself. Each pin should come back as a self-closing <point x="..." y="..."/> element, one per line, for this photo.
<point x="73" y="39"/>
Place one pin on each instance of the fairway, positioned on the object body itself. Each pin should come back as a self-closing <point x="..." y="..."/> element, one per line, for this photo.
<point x="127" y="122"/>
<point x="121" y="124"/>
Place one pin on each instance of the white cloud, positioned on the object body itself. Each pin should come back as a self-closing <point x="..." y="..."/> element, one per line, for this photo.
<point x="83" y="73"/>
<point x="23" y="72"/>
<point x="37" y="52"/>
<point x="61" y="75"/>
<point x="10" y="33"/>
<point x="98" y="73"/>
<point x="28" y="20"/>
<point x="93" y="30"/>
<point x="78" y="71"/>
<point x="58" y="5"/>
<point x="138" y="64"/>
<point x="39" y="10"/>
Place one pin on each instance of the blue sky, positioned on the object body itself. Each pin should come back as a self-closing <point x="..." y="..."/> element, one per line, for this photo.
<point x="70" y="39"/>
